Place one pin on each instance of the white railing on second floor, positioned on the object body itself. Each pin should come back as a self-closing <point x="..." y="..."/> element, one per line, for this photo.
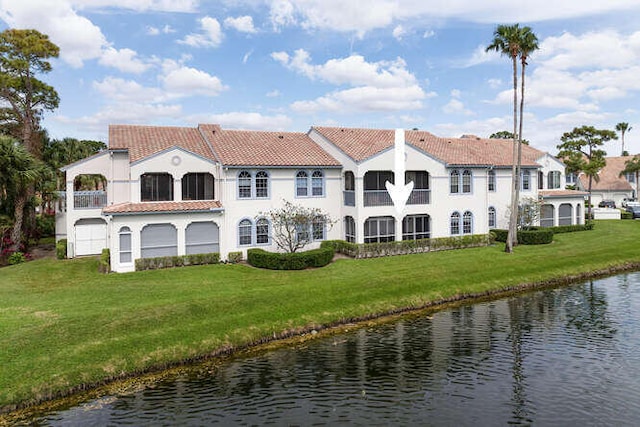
<point x="89" y="199"/>
<point x="377" y="198"/>
<point x="419" y="197"/>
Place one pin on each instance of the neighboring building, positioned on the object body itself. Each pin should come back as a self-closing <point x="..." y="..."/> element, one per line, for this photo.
<point x="610" y="185"/>
<point x="175" y="191"/>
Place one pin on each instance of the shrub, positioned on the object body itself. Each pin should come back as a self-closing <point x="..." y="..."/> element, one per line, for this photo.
<point x="290" y="261"/>
<point x="626" y="215"/>
<point x="176" y="261"/>
<point x="500" y="234"/>
<point x="61" y="249"/>
<point x="104" y="265"/>
<point x="535" y="237"/>
<point x="45" y="225"/>
<point x="16" y="258"/>
<point x="234" y="257"/>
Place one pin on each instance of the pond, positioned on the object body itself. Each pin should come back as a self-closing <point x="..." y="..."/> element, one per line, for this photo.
<point x="564" y="356"/>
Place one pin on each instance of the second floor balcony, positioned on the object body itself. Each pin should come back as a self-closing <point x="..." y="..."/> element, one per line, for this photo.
<point x="83" y="200"/>
<point x="382" y="198"/>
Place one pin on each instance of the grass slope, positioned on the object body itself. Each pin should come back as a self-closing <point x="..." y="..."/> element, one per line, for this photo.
<point x="63" y="325"/>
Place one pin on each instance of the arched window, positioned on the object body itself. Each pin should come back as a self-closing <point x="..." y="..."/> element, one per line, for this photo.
<point x="262" y="231"/>
<point x="492" y="217"/>
<point x="454" y="181"/>
<point x="262" y="185"/>
<point x="302" y="184"/>
<point x="454" y="224"/>
<point x="565" y="214"/>
<point x="349" y="229"/>
<point x="379" y="229"/>
<point x="349" y="181"/>
<point x="491" y="180"/>
<point x="125" y="245"/>
<point x="156" y="187"/>
<point x="202" y="237"/>
<point x="244" y="185"/>
<point x="540" y="180"/>
<point x="525" y="180"/>
<point x="467" y="223"/>
<point x="158" y="240"/>
<point x="466" y="181"/>
<point x="244" y="232"/>
<point x="317" y="183"/>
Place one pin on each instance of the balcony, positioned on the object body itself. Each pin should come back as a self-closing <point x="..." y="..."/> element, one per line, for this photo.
<point x="349" y="198"/>
<point x="89" y="199"/>
<point x="382" y="198"/>
<point x="419" y="197"/>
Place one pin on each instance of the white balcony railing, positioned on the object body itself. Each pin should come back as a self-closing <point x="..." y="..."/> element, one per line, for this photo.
<point x="89" y="199"/>
<point x="382" y="198"/>
<point x="419" y="197"/>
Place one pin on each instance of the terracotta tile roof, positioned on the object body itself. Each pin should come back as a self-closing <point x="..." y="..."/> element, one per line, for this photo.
<point x="156" y="207"/>
<point x="260" y="148"/>
<point x="360" y="144"/>
<point x="561" y="193"/>
<point x="609" y="176"/>
<point x="144" y="141"/>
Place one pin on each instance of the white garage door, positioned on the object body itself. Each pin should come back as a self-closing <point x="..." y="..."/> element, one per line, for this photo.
<point x="91" y="236"/>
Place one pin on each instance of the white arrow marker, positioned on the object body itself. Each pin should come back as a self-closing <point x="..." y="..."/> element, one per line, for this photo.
<point x="399" y="192"/>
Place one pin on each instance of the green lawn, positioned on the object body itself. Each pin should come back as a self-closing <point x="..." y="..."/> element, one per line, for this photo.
<point x="62" y="324"/>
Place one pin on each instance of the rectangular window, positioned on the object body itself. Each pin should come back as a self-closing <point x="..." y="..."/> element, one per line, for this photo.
<point x="525" y="179"/>
<point x="156" y="187"/>
<point x="318" y="229"/>
<point x="491" y="180"/>
<point x="454" y="182"/>
<point x="466" y="181"/>
<point x="379" y="229"/>
<point x="197" y="186"/>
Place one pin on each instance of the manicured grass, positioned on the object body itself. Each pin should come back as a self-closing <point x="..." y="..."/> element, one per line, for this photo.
<point x="62" y="324"/>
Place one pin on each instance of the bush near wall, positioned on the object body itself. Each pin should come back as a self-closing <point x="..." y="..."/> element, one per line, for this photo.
<point x="61" y="249"/>
<point x="541" y="236"/>
<point x="374" y="250"/>
<point x="234" y="257"/>
<point x="625" y="215"/>
<point x="290" y="261"/>
<point x="176" y="261"/>
<point x="104" y="265"/>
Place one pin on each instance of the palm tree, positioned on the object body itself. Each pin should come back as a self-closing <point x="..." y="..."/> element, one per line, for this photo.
<point x="19" y="170"/>
<point x="506" y="41"/>
<point x="528" y="43"/>
<point x="633" y="166"/>
<point x="623" y="127"/>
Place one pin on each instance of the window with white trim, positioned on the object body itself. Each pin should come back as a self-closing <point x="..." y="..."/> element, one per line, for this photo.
<point x="525" y="180"/>
<point x="553" y="180"/>
<point x="244" y="185"/>
<point x="318" y="228"/>
<point x="415" y="227"/>
<point x="125" y="245"/>
<point x="460" y="182"/>
<point x="262" y="185"/>
<point x="467" y="223"/>
<point x="466" y="181"/>
<point x="310" y="184"/>
<point x="491" y="180"/>
<point x="454" y="224"/>
<point x="492" y="217"/>
<point x="454" y="181"/>
<point x="262" y="231"/>
<point x="317" y="183"/>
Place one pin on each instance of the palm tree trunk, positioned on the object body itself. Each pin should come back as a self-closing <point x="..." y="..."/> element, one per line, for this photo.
<point x="18" y="214"/>
<point x="513" y="217"/>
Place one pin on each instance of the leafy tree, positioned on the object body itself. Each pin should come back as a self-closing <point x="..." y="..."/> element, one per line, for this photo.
<point x="529" y="212"/>
<point x="19" y="170"/>
<point x="623" y="128"/>
<point x="514" y="41"/>
<point x="293" y="225"/>
<point x="505" y="134"/>
<point x="59" y="153"/>
<point x="24" y="54"/>
<point x="581" y="153"/>
<point x="633" y="166"/>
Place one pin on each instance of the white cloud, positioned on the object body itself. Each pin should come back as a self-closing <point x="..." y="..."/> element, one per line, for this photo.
<point x="377" y="86"/>
<point x="273" y="94"/>
<point x="61" y="23"/>
<point x="154" y="31"/>
<point x="242" y="120"/>
<point x="244" y="24"/>
<point x="281" y="14"/>
<point x="127" y="91"/>
<point x="428" y="34"/>
<point x="125" y="60"/>
<point x="180" y="80"/>
<point x="209" y="36"/>
<point x="399" y="32"/>
<point x="184" y="6"/>
<point x="246" y="56"/>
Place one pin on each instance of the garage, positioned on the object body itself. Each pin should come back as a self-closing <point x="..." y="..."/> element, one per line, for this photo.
<point x="91" y="236"/>
<point x="202" y="238"/>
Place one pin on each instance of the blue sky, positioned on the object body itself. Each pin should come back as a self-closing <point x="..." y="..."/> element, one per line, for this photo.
<point x="291" y="64"/>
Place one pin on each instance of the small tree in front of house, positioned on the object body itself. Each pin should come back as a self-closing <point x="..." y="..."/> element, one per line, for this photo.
<point x="294" y="226"/>
<point x="528" y="212"/>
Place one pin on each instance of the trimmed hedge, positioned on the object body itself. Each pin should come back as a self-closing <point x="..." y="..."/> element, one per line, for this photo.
<point x="501" y="235"/>
<point x="61" y="249"/>
<point x="535" y="237"/>
<point x="374" y="250"/>
<point x="290" y="261"/>
<point x="626" y="215"/>
<point x="176" y="261"/>
<point x="571" y="228"/>
<point x="234" y="257"/>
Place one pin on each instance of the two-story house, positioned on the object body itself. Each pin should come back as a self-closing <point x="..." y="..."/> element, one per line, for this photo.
<point x="179" y="190"/>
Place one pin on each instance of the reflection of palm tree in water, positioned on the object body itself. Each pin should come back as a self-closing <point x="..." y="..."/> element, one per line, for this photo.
<point x="518" y="399"/>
